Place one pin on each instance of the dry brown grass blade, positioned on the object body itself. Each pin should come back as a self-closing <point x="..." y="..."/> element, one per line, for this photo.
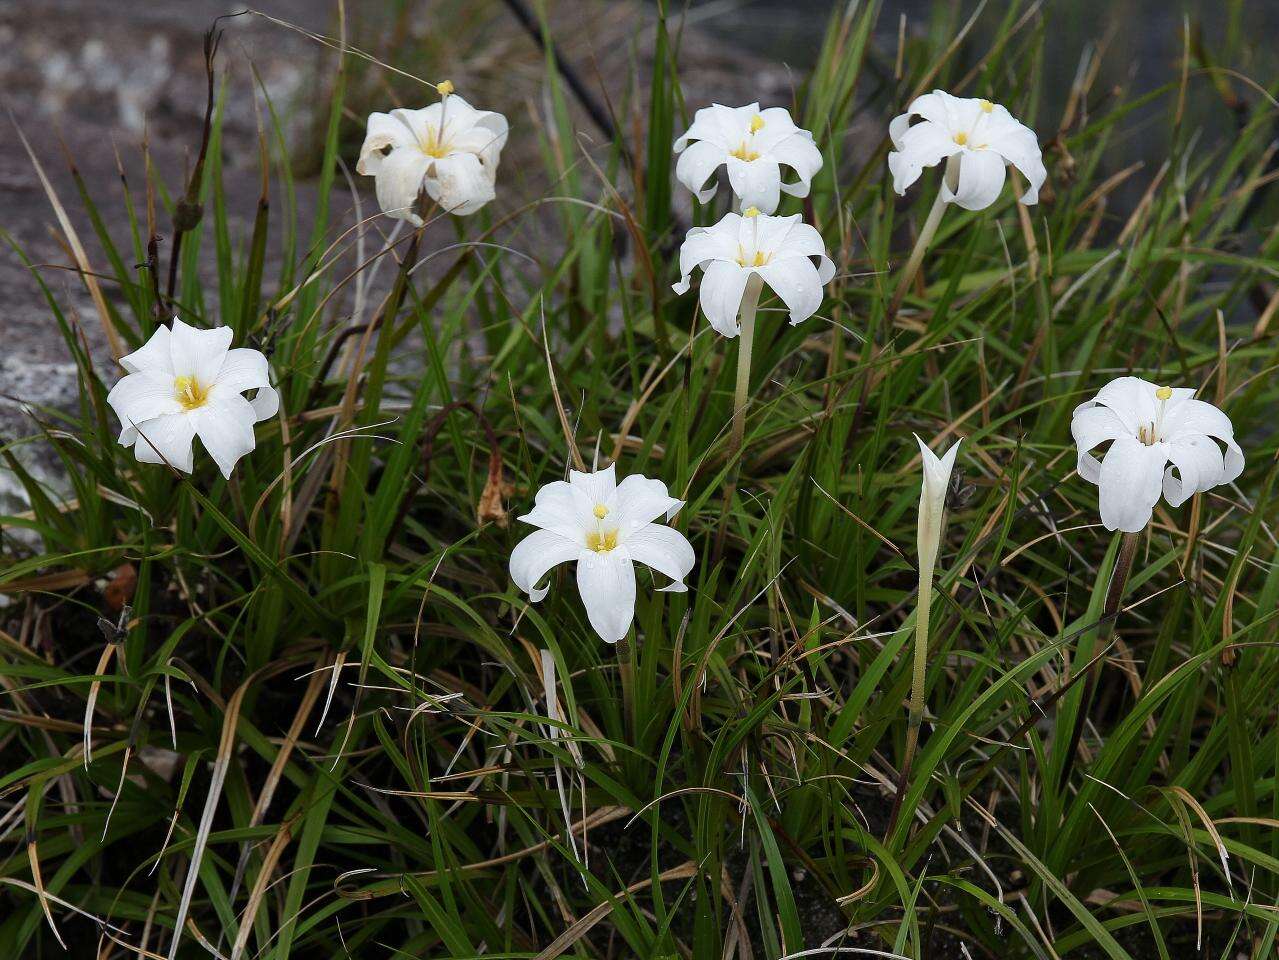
<point x="287" y="745"/>
<point x="559" y="404"/>
<point x="92" y="700"/>
<point x="269" y="863"/>
<point x="77" y="249"/>
<point x="33" y="858"/>
<point x="579" y="929"/>
<point x="223" y="761"/>
<point x="596" y="818"/>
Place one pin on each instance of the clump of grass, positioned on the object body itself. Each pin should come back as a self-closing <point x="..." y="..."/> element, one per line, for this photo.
<point x="328" y="725"/>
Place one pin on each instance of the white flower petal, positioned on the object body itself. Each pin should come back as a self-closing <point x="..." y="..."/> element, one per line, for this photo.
<point x="696" y="166"/>
<point x="796" y="281"/>
<point x="144" y="396"/>
<point x="563" y="509"/>
<point x="922" y="145"/>
<point x="757" y="183"/>
<point x="665" y="550"/>
<point x="198" y="353"/>
<point x="1092" y="425"/>
<point x="486" y="138"/>
<point x="597" y="487"/>
<point x="266" y="403"/>
<point x="641" y="500"/>
<point x="607" y="584"/>
<point x="1189" y="417"/>
<point x="1132" y="399"/>
<point x="152" y="355"/>
<point x="723" y="284"/>
<point x="535" y="555"/>
<point x="716" y="123"/>
<point x="225" y="427"/>
<point x="1130" y="483"/>
<point x="383" y="130"/>
<point x="459" y="183"/>
<point x="704" y="244"/>
<point x="242" y="369"/>
<point x="800" y="154"/>
<point x="1199" y="464"/>
<point x="981" y="177"/>
<point x="166" y="440"/>
<point x="1018" y="144"/>
<point x="399" y="181"/>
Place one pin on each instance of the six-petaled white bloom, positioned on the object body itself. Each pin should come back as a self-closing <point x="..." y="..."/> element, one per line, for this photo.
<point x="754" y="144"/>
<point x="605" y="526"/>
<point x="982" y="136"/>
<point x="450" y="150"/>
<point x="185" y="383"/>
<point x="1148" y="427"/>
<point x="779" y="249"/>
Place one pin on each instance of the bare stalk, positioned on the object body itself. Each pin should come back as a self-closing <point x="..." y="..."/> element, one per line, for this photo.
<point x="926" y="235"/>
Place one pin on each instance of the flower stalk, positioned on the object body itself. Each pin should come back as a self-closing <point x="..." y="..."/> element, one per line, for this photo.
<point x="926" y="235"/>
<point x="931" y="526"/>
<point x="750" y="305"/>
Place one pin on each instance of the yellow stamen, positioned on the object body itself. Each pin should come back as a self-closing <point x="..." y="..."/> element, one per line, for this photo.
<point x="601" y="511"/>
<point x="444" y="88"/>
<point x="751" y="212"/>
<point x="190" y="394"/>
<point x="757" y="123"/>
<point x="744" y="152"/>
<point x="601" y="542"/>
<point x="961" y="138"/>
<point x="1164" y="393"/>
<point x="986" y="106"/>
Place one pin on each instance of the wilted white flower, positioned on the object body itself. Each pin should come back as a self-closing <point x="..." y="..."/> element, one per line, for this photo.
<point x="780" y="250"/>
<point x="754" y="144"/>
<point x="982" y="136"/>
<point x="605" y="526"/>
<point x="185" y="383"/>
<point x="448" y="149"/>
<point x="1149" y="427"/>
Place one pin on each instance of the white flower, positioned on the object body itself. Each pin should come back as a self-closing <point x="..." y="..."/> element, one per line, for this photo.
<point x="448" y="149"/>
<point x="605" y="526"/>
<point x="754" y="144"/>
<point x="932" y="501"/>
<point x="1149" y="427"/>
<point x="982" y="136"/>
<point x="779" y="249"/>
<point x="185" y="383"/>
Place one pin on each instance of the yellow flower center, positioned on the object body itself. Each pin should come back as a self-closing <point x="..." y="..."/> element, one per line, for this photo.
<point x="757" y="123"/>
<point x="600" y="511"/>
<point x="444" y="88"/>
<point x="751" y="212"/>
<point x="190" y="393"/>
<point x="435" y="145"/>
<point x="1164" y="393"/>
<point x="961" y="138"/>
<point x="986" y="106"/>
<point x="760" y="258"/>
<point x="601" y="542"/>
<point x="744" y="152"/>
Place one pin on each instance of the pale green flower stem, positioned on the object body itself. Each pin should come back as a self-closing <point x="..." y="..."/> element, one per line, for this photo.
<point x="746" y="343"/>
<point x="915" y="717"/>
<point x="926" y="235"/>
<point x="741" y="395"/>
